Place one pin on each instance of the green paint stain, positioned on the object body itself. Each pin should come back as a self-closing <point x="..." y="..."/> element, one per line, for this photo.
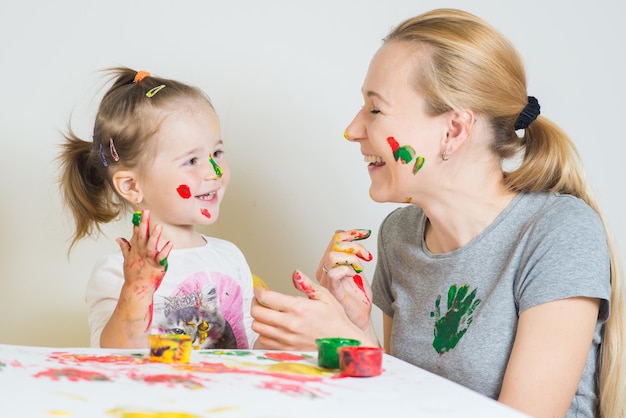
<point x="450" y="328"/>
<point x="137" y="218"/>
<point x="164" y="263"/>
<point x="217" y="168"/>
<point x="405" y="153"/>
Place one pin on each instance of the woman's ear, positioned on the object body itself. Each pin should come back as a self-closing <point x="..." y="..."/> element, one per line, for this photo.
<point x="127" y="185"/>
<point x="460" y="123"/>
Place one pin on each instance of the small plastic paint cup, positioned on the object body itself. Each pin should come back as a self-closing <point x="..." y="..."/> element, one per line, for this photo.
<point x="170" y="348"/>
<point x="327" y="355"/>
<point x="360" y="361"/>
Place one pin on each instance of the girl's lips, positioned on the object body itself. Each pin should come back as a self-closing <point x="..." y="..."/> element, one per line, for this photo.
<point x="207" y="197"/>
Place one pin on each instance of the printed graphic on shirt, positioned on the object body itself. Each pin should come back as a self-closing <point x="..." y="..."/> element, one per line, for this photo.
<point x="450" y="327"/>
<point x="209" y="310"/>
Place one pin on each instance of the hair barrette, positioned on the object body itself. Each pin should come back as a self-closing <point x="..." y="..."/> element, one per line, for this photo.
<point x="114" y="153"/>
<point x="155" y="90"/>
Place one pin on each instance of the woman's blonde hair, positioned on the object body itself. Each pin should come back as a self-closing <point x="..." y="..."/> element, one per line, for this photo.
<point x="472" y="65"/>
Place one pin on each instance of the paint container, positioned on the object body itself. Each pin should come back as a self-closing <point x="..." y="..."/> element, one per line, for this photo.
<point x="327" y="355"/>
<point x="360" y="361"/>
<point x="170" y="348"/>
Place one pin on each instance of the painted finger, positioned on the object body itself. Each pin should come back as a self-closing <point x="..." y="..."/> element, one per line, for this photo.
<point x="337" y="259"/>
<point x="352" y="235"/>
<point x="304" y="284"/>
<point x="353" y="248"/>
<point x="124" y="245"/>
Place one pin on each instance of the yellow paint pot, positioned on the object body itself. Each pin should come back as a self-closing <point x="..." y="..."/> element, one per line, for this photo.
<point x="170" y="348"/>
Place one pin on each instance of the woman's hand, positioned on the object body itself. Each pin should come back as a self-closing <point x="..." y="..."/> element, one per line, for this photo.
<point x="339" y="271"/>
<point x="293" y="322"/>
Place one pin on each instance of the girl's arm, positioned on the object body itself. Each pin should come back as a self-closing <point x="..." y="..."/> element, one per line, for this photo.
<point x="548" y="356"/>
<point x="144" y="268"/>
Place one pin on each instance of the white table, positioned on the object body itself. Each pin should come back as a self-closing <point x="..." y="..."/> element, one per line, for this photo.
<point x="84" y="382"/>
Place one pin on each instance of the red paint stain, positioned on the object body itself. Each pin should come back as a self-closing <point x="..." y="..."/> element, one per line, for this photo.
<point x="291" y="389"/>
<point x="284" y="356"/>
<point x="393" y="143"/>
<point x="65" y="358"/>
<point x="73" y="375"/>
<point x="298" y="282"/>
<point x="360" y="361"/>
<point x="206" y="213"/>
<point x="183" y="191"/>
<point x="187" y="381"/>
<point x="358" y="280"/>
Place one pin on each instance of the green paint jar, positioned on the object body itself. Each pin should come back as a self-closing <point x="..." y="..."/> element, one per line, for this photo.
<point x="327" y="355"/>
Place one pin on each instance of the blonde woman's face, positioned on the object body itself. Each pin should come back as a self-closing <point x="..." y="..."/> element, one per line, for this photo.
<point x="188" y="178"/>
<point x="400" y="142"/>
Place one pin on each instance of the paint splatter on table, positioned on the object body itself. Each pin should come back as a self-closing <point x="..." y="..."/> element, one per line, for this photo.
<point x="86" y="382"/>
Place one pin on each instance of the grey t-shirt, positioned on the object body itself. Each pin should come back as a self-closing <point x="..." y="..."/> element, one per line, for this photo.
<point x="455" y="314"/>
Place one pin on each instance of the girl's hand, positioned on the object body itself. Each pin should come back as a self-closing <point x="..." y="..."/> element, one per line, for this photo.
<point x="339" y="271"/>
<point x="144" y="264"/>
<point x="286" y="322"/>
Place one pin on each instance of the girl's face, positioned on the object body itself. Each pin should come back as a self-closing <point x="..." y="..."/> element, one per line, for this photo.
<point x="186" y="182"/>
<point x="400" y="142"/>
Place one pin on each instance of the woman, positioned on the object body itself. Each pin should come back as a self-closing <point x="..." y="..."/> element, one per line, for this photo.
<point x="501" y="279"/>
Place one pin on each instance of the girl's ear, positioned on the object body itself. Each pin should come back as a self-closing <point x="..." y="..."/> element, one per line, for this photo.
<point x="127" y="185"/>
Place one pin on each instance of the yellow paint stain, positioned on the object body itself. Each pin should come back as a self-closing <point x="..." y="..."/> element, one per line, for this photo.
<point x="222" y="409"/>
<point x="72" y="396"/>
<point x="60" y="413"/>
<point x="121" y="413"/>
<point x="258" y="282"/>
<point x="297" y="368"/>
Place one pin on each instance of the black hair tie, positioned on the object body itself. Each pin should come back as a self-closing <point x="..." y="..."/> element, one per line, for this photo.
<point x="529" y="114"/>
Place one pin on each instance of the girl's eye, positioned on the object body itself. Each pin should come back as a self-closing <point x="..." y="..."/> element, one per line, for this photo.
<point x="192" y="161"/>
<point x="218" y="153"/>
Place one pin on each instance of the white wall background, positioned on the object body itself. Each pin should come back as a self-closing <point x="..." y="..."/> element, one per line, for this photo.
<point x="285" y="77"/>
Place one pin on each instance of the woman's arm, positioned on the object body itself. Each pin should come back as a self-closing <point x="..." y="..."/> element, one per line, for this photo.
<point x="548" y="356"/>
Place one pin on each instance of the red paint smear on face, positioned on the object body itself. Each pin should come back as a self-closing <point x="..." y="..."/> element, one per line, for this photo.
<point x="206" y="213"/>
<point x="393" y="143"/>
<point x="284" y="356"/>
<point x="183" y="191"/>
<point x="358" y="280"/>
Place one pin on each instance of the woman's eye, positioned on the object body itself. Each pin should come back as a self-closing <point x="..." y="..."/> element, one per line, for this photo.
<point x="374" y="111"/>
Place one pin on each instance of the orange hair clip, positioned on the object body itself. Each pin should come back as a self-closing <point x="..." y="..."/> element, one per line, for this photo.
<point x="140" y="76"/>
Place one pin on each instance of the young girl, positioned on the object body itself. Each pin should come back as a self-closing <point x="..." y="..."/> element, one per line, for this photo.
<point x="157" y="149"/>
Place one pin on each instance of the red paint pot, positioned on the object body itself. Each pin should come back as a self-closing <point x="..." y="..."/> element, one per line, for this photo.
<point x="360" y="361"/>
<point x="327" y="355"/>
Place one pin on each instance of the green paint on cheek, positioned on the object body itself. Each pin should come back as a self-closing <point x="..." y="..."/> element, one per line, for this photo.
<point x="405" y="153"/>
<point x="217" y="168"/>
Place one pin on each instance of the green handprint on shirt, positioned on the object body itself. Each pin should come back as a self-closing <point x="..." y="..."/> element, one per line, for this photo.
<point x="452" y="326"/>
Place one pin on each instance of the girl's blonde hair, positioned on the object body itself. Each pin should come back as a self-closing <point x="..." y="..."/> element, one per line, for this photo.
<point x="472" y="65"/>
<point x="128" y="116"/>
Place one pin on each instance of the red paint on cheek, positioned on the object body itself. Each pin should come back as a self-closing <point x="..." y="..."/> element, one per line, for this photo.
<point x="183" y="191"/>
<point x="206" y="213"/>
<point x="393" y="143"/>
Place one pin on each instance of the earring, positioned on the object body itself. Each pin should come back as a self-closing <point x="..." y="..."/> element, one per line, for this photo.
<point x="444" y="155"/>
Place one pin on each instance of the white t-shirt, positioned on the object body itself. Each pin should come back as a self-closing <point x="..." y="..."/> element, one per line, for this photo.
<point x="206" y="293"/>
